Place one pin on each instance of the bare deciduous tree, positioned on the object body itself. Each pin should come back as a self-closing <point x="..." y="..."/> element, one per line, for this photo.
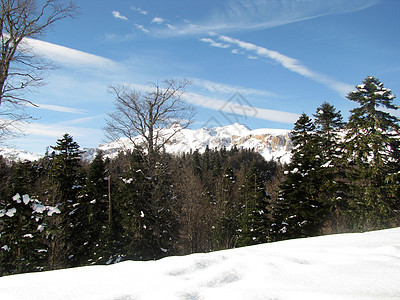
<point x="21" y="70"/>
<point x="149" y="114"/>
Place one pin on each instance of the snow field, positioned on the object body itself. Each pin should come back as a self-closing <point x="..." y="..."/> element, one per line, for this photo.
<point x="346" y="266"/>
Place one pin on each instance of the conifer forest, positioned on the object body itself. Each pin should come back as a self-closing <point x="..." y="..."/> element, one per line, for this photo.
<point x="61" y="211"/>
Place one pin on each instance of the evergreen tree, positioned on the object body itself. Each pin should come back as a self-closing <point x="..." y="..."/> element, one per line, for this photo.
<point x="227" y="209"/>
<point x="4" y="175"/>
<point x="64" y="231"/>
<point x="255" y="219"/>
<point x="94" y="202"/>
<point x="146" y="210"/>
<point x="298" y="211"/>
<point x="329" y="128"/>
<point x="372" y="143"/>
<point x="65" y="169"/>
<point x="22" y="235"/>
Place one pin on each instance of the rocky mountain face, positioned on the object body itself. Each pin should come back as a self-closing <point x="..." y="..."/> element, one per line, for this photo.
<point x="16" y="154"/>
<point x="272" y="144"/>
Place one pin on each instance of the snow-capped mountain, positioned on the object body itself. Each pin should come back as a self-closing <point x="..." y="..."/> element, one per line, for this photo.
<point x="272" y="144"/>
<point x="18" y="155"/>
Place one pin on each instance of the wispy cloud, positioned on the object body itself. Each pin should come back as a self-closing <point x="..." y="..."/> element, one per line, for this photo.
<point x="171" y="27"/>
<point x="139" y="10"/>
<point x="79" y="120"/>
<point x="142" y="28"/>
<point x="242" y="110"/>
<point x="253" y="51"/>
<point x="118" y="15"/>
<point x="226" y="106"/>
<point x="234" y="15"/>
<point x="68" y="57"/>
<point x="56" y="130"/>
<point x="157" y="20"/>
<point x="227" y="89"/>
<point x="60" y="108"/>
<point x="213" y="43"/>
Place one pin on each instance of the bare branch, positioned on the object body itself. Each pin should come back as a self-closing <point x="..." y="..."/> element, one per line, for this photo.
<point x="21" y="70"/>
<point x="149" y="115"/>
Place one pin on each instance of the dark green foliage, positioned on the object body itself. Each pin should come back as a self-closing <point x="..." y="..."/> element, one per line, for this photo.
<point x="336" y="184"/>
<point x="64" y="238"/>
<point x="229" y="210"/>
<point x="123" y="209"/>
<point x="372" y="143"/>
<point x="133" y="207"/>
<point x="254" y="216"/>
<point x="299" y="211"/>
<point x="331" y="187"/>
<point x="146" y="210"/>
<point x="94" y="205"/>
<point x="22" y="235"/>
<point x="65" y="170"/>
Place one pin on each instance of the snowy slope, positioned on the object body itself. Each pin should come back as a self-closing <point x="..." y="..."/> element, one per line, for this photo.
<point x="271" y="143"/>
<point x="347" y="266"/>
<point x="18" y="155"/>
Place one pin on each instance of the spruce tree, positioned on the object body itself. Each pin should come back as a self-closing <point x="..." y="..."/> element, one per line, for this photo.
<point x="22" y="235"/>
<point x="146" y="210"/>
<point x="227" y="209"/>
<point x="298" y="211"/>
<point x="372" y="143"/>
<point x="64" y="230"/>
<point x="255" y="219"/>
<point x="94" y="203"/>
<point x="329" y="131"/>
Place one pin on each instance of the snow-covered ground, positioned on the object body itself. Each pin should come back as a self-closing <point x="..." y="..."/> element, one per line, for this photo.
<point x="346" y="266"/>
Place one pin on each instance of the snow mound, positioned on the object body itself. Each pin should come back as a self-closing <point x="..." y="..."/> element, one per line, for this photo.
<point x="345" y="266"/>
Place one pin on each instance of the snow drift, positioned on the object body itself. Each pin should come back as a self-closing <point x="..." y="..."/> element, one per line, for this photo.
<point x="345" y="266"/>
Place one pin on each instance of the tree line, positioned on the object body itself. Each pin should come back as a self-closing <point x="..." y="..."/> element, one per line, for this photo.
<point x="61" y="211"/>
<point x="343" y="176"/>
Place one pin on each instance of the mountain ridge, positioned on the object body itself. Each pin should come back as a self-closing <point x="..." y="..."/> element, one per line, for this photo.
<point x="272" y="144"/>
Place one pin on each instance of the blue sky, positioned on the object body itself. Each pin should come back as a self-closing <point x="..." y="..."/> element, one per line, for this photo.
<point x="283" y="57"/>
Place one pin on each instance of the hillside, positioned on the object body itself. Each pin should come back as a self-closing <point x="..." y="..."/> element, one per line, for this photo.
<point x="345" y="266"/>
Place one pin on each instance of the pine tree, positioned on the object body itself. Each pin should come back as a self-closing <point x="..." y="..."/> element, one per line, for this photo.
<point x="298" y="211"/>
<point x="145" y="204"/>
<point x="22" y="235"/>
<point x="372" y="143"/>
<point x="65" y="170"/>
<point x="94" y="202"/>
<point x="329" y="130"/>
<point x="255" y="219"/>
<point x="64" y="231"/>
<point x="227" y="209"/>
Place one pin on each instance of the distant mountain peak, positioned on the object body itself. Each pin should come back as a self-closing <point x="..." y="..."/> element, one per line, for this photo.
<point x="18" y="155"/>
<point x="272" y="144"/>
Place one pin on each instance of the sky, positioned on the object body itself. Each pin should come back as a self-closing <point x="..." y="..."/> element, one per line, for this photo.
<point x="260" y="63"/>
